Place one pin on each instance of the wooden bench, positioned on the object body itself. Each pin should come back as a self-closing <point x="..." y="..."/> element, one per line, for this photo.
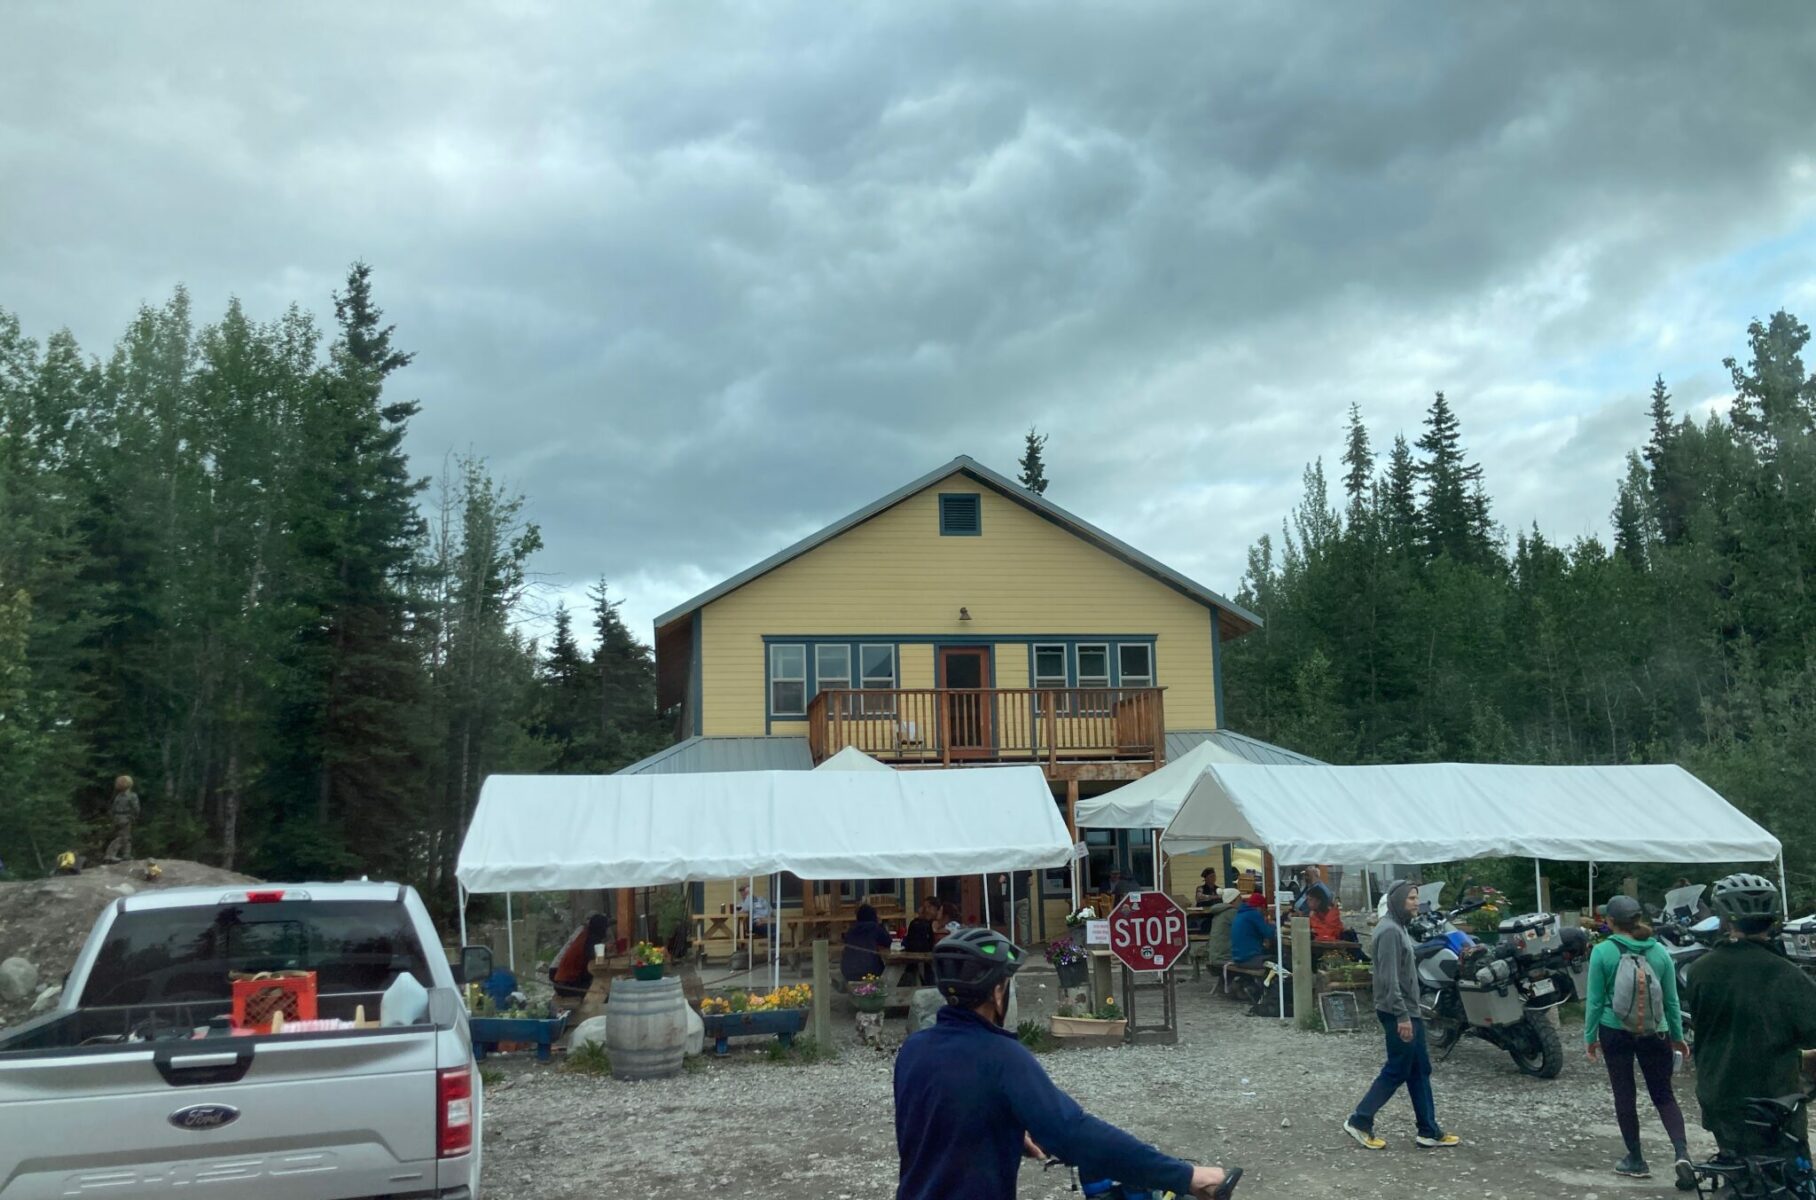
<point x="1224" y="972"/>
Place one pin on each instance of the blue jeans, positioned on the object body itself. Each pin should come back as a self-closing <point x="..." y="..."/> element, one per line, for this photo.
<point x="1407" y="1063"/>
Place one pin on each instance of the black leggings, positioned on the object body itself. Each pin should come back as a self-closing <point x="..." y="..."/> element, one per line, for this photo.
<point x="1620" y="1050"/>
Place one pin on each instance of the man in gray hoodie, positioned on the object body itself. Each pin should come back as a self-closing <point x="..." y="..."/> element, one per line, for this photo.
<point x="1397" y="1008"/>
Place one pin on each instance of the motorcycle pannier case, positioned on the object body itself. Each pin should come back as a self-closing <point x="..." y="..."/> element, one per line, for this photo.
<point x="1492" y="1006"/>
<point x="1799" y="939"/>
<point x="1532" y="934"/>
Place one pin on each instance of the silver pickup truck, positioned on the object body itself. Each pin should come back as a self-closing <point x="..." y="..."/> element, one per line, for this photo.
<point x="135" y="1087"/>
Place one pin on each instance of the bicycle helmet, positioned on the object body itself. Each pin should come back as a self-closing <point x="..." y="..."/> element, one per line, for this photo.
<point x="968" y="966"/>
<point x="1750" y="901"/>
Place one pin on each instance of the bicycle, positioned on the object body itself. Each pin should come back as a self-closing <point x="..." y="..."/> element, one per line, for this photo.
<point x="1784" y="1173"/>
<point x="1106" y="1189"/>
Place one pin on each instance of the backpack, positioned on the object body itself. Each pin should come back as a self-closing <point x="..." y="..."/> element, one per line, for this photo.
<point x="1637" y="998"/>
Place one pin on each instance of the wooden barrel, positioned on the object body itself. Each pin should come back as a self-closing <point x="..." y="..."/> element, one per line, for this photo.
<point x="646" y="1030"/>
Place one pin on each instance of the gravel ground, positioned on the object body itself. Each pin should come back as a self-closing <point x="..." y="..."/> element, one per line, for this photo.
<point x="1236" y="1089"/>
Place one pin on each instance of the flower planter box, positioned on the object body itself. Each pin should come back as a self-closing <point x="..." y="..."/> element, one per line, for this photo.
<point x="650" y="972"/>
<point x="491" y="1032"/>
<point x="870" y="1004"/>
<point x="1073" y="975"/>
<point x="782" y="1023"/>
<point x="1087" y="1031"/>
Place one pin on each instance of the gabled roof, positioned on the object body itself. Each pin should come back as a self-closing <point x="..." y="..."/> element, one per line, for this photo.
<point x="1237" y="619"/>
<point x="709" y="755"/>
<point x="1180" y="741"/>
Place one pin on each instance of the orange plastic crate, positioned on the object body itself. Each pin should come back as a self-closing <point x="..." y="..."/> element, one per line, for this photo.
<point x="255" y="1000"/>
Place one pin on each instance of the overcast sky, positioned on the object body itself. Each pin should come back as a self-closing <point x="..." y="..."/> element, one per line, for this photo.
<point x="699" y="279"/>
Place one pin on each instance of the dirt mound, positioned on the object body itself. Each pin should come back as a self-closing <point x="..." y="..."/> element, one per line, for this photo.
<point x="46" y="921"/>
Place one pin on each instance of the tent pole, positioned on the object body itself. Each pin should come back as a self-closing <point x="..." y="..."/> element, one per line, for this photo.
<point x="510" y="934"/>
<point x="1784" y="888"/>
<point x="986" y="882"/>
<point x="1157" y="876"/>
<point x="460" y="892"/>
<point x="1368" y="891"/>
<point x="1275" y="901"/>
<point x="775" y="932"/>
<point x="1592" y="905"/>
<point x="1538" y="887"/>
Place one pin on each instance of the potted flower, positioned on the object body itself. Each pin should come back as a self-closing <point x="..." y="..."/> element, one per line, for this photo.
<point x="1074" y="920"/>
<point x="1068" y="958"/>
<point x="648" y="961"/>
<point x="1485" y="922"/>
<point x="868" y="994"/>
<point x="1082" y="1027"/>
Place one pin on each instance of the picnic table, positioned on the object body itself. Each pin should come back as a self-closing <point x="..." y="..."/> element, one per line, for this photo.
<point x="910" y="961"/>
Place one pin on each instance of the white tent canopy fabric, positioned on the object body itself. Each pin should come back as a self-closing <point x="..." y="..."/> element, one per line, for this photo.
<point x="533" y="833"/>
<point x="852" y="759"/>
<point x="1438" y="812"/>
<point x="1151" y="801"/>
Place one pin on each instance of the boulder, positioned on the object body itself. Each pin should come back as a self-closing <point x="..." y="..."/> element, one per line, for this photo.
<point x="18" y="980"/>
<point x="696" y="1034"/>
<point x="923" y="1008"/>
<point x="587" y="1033"/>
<point x="47" y="1000"/>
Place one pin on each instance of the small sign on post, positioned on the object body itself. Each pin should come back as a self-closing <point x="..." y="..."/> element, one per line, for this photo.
<point x="1097" y="933"/>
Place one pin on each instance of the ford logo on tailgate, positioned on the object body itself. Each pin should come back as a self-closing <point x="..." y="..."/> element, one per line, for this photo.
<point x="204" y="1116"/>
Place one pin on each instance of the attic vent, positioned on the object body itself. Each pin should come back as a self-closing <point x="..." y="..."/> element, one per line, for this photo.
<point x="961" y="514"/>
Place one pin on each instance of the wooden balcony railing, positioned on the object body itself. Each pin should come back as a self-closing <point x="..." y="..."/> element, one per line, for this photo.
<point x="944" y="726"/>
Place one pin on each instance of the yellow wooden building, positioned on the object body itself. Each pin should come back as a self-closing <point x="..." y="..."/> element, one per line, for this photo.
<point x="960" y="620"/>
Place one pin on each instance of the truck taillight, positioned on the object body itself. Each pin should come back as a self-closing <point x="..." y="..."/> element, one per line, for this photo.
<point x="454" y="1112"/>
<point x="266" y="897"/>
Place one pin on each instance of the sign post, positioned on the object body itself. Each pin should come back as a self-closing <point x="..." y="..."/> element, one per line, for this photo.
<point x="1148" y="935"/>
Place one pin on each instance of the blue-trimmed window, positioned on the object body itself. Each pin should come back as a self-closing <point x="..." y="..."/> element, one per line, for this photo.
<point x="1049" y="671"/>
<point x="961" y="514"/>
<point x="1135" y="664"/>
<point x="788" y="680"/>
<point x="877" y="662"/>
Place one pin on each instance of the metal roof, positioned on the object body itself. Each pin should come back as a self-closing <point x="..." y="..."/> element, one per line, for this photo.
<point x="1254" y="749"/>
<point x="706" y="755"/>
<point x="1243" y="619"/>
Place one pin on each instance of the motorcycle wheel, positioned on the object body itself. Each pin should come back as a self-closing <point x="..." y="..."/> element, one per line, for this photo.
<point x="1536" y="1048"/>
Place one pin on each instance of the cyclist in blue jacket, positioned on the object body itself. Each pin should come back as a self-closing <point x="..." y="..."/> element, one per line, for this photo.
<point x="971" y="1101"/>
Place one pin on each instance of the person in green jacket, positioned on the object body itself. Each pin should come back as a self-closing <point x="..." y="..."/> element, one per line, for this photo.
<point x="1605" y="1032"/>
<point x="1755" y="1018"/>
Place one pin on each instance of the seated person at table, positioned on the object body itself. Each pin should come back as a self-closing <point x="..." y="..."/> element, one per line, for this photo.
<point x="949" y="914"/>
<point x="757" y="907"/>
<point x="1207" y="893"/>
<point x="920" y="939"/>
<point x="1251" y="936"/>
<point x="569" y="973"/>
<point x="1326" y="916"/>
<point x="862" y="943"/>
<point x="1223" y="919"/>
<point x="1120" y="887"/>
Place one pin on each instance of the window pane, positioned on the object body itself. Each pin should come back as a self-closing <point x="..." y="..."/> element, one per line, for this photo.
<point x="832" y="664"/>
<point x="1050" y="665"/>
<point x="1137" y="663"/>
<point x="788" y="697"/>
<point x="879" y="665"/>
<point x="788" y="662"/>
<point x="1093" y="666"/>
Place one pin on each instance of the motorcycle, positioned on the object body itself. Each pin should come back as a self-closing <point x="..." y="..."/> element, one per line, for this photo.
<point x="1499" y="993"/>
<point x="1798" y="938"/>
<point x="1688" y="931"/>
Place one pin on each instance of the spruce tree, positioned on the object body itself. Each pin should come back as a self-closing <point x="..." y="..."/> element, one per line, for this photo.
<point x="1033" y="463"/>
<point x="1454" y="519"/>
<point x="1358" y="460"/>
<point x="1400" y="496"/>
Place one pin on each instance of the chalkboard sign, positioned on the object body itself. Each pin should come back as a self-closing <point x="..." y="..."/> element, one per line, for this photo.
<point x="1341" y="1012"/>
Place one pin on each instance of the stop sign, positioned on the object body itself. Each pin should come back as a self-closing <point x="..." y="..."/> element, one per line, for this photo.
<point x="1147" y="931"/>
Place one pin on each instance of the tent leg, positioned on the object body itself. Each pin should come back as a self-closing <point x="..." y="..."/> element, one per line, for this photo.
<point x="1277" y="932"/>
<point x="775" y="932"/>
<point x="1592" y="905"/>
<point x="1368" y="891"/>
<point x="1158" y="886"/>
<point x="1784" y="888"/>
<point x="1538" y="887"/>
<point x="460" y="893"/>
<point x="510" y="934"/>
<point x="986" y="882"/>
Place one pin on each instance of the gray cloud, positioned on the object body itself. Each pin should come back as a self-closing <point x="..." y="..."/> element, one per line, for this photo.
<point x="700" y="279"/>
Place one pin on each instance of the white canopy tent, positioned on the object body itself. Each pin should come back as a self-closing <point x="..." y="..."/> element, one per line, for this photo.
<point x="561" y="832"/>
<point x="1438" y="812"/>
<point x="577" y="832"/>
<point x="852" y="759"/>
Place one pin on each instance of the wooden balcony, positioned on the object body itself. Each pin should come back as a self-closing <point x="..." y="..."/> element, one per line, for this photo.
<point x="1073" y="732"/>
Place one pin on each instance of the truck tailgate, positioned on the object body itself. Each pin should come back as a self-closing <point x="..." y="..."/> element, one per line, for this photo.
<point x="290" y="1117"/>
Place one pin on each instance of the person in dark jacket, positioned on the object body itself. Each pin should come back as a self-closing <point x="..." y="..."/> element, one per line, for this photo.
<point x="971" y="1101"/>
<point x="862" y="943"/>
<point x="1397" y="1008"/>
<point x="920" y="939"/>
<point x="1755" y="1019"/>
<point x="1251" y="937"/>
<point x="570" y="973"/>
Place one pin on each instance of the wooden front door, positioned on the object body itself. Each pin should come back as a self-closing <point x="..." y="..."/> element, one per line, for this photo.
<point x="966" y="702"/>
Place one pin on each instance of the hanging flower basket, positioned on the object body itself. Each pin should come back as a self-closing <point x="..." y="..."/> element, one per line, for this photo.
<point x="868" y="995"/>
